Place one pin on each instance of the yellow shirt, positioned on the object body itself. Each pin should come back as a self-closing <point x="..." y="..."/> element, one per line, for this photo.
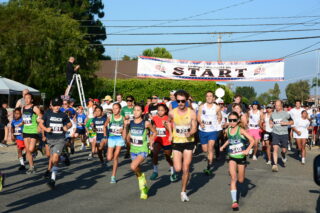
<point x="181" y="125"/>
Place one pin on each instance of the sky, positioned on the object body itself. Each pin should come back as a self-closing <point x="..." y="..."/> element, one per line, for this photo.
<point x="296" y="68"/>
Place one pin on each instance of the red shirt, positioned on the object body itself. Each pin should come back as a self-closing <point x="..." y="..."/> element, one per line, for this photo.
<point x="162" y="132"/>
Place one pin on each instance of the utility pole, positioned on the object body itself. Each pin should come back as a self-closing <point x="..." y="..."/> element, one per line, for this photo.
<point x="316" y="99"/>
<point x="115" y="75"/>
<point x="219" y="47"/>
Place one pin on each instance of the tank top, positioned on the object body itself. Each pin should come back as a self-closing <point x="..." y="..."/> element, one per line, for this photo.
<point x="266" y="120"/>
<point x="115" y="126"/>
<point x="99" y="125"/>
<point x="209" y="118"/>
<point x="30" y="125"/>
<point x="181" y="125"/>
<point x="254" y="119"/>
<point x="138" y="137"/>
<point x="236" y="144"/>
<point x="162" y="132"/>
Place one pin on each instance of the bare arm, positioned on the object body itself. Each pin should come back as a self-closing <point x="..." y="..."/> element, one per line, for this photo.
<point x="199" y="116"/>
<point x="154" y="132"/>
<point x="250" y="138"/>
<point x="193" y="124"/>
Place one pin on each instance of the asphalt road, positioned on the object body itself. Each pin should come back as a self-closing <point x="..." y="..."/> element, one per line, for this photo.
<point x="84" y="187"/>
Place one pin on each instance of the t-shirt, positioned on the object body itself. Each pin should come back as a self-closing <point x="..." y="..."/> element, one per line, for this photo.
<point x="17" y="129"/>
<point x="295" y="113"/>
<point x="153" y="109"/>
<point x="122" y="103"/>
<point x="302" y="126"/>
<point x="99" y="125"/>
<point x="69" y="70"/>
<point x="3" y="117"/>
<point x="126" y="111"/>
<point x="56" y="121"/>
<point x="80" y="120"/>
<point x="91" y="133"/>
<point x="278" y="117"/>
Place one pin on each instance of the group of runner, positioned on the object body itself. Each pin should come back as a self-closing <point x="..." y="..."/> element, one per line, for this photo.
<point x="174" y="126"/>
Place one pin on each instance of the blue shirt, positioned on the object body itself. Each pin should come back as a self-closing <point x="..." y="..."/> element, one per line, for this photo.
<point x="17" y="129"/>
<point x="73" y="112"/>
<point x="318" y="119"/>
<point x="80" y="120"/>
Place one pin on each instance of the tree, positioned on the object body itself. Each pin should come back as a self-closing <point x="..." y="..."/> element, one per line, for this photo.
<point x="275" y="92"/>
<point x="247" y="92"/>
<point x="299" y="90"/>
<point x="36" y="44"/>
<point x="265" y="98"/>
<point x="126" y="58"/>
<point x="84" y="11"/>
<point x="157" y="52"/>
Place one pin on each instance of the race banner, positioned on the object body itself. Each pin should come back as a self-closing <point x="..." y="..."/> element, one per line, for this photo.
<point x="262" y="70"/>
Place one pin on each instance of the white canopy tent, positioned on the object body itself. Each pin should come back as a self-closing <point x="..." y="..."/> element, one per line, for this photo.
<point x="10" y="87"/>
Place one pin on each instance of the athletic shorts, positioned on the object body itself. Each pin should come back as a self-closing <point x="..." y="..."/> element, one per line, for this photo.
<point x="280" y="140"/>
<point x="267" y="136"/>
<point x="27" y="135"/>
<point x="168" y="147"/>
<point x="100" y="139"/>
<point x="207" y="136"/>
<point x="315" y="130"/>
<point x="255" y="133"/>
<point x="183" y="146"/>
<point x="114" y="141"/>
<point x="240" y="161"/>
<point x="92" y="139"/>
<point x="81" y="131"/>
<point x="135" y="155"/>
<point x="163" y="141"/>
<point x="20" y="144"/>
<point x="56" y="145"/>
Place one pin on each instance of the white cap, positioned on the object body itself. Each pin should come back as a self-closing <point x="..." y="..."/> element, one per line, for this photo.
<point x="172" y="92"/>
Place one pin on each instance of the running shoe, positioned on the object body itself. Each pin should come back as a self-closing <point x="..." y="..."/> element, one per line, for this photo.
<point x="284" y="160"/>
<point x="173" y="177"/>
<point x="90" y="157"/>
<point x="31" y="171"/>
<point x="303" y="161"/>
<point x="207" y="171"/>
<point x="22" y="168"/>
<point x="250" y="151"/>
<point x="289" y="147"/>
<point x="184" y="197"/>
<point x="235" y="206"/>
<point x="51" y="184"/>
<point x="3" y="145"/>
<point x="275" y="168"/>
<point x="254" y="157"/>
<point x="113" y="179"/>
<point x="144" y="193"/>
<point x="142" y="181"/>
<point x="47" y="174"/>
<point x="24" y="156"/>
<point x="154" y="176"/>
<point x="269" y="162"/>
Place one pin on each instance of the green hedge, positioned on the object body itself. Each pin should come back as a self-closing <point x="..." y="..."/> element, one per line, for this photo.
<point x="143" y="88"/>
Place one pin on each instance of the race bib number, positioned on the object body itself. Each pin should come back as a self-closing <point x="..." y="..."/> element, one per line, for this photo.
<point x="266" y="137"/>
<point x="154" y="112"/>
<point x="99" y="129"/>
<point x="17" y="130"/>
<point x="236" y="148"/>
<point x="182" y="130"/>
<point x="277" y="122"/>
<point x="27" y="120"/>
<point x="207" y="122"/>
<point x="161" y="132"/>
<point x="115" y="130"/>
<point x="56" y="128"/>
<point x="136" y="140"/>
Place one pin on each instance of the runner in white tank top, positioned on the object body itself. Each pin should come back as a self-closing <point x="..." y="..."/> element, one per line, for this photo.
<point x="209" y="117"/>
<point x="255" y="120"/>
<point x="266" y="143"/>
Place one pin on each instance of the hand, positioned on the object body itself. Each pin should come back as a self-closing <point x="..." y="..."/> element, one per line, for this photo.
<point x="151" y="146"/>
<point x="77" y="67"/>
<point x="170" y="138"/>
<point x="127" y="117"/>
<point x="299" y="133"/>
<point x="48" y="129"/>
<point x="188" y="134"/>
<point x="221" y="149"/>
<point x="282" y="123"/>
<point x="44" y="138"/>
<point x="202" y="125"/>
<point x="245" y="152"/>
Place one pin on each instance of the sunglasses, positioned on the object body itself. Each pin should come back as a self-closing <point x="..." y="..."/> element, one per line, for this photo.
<point x="181" y="101"/>
<point x="233" y="120"/>
<point x="154" y="97"/>
<point x="129" y="100"/>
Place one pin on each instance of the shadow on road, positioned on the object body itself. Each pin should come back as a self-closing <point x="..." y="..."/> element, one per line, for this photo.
<point x="244" y="188"/>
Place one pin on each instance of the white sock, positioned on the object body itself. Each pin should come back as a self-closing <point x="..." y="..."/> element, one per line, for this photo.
<point x="155" y="168"/>
<point x="54" y="172"/>
<point x="21" y="161"/>
<point x="171" y="170"/>
<point x="234" y="195"/>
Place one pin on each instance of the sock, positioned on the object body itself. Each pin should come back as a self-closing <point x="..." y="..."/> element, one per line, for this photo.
<point x="171" y="170"/>
<point x="234" y="195"/>
<point x="54" y="172"/>
<point x="155" y="168"/>
<point x="21" y="161"/>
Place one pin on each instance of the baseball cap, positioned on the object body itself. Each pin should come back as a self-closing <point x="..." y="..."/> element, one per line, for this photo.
<point x="96" y="100"/>
<point x="269" y="106"/>
<point x="219" y="101"/>
<point x="255" y="103"/>
<point x="107" y="98"/>
<point x="56" y="102"/>
<point x="172" y="92"/>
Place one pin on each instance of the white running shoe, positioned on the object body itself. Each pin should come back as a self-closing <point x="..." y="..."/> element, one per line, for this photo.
<point x="284" y="160"/>
<point x="83" y="147"/>
<point x="303" y="161"/>
<point x="184" y="197"/>
<point x="254" y="157"/>
<point x="289" y="147"/>
<point x="251" y="151"/>
<point x="269" y="162"/>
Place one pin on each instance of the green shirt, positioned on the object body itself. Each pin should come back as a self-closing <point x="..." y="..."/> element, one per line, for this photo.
<point x="30" y="125"/>
<point x="138" y="137"/>
<point x="126" y="111"/>
<point x="115" y="126"/>
<point x="91" y="133"/>
<point x="236" y="144"/>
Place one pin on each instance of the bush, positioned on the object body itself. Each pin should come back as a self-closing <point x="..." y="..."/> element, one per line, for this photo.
<point x="143" y="88"/>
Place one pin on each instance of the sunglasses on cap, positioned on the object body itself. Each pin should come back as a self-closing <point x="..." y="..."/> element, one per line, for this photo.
<point x="233" y="120"/>
<point x="154" y="97"/>
<point x="129" y="100"/>
<point x="181" y="101"/>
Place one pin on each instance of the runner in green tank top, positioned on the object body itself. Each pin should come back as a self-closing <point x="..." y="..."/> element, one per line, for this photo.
<point x="137" y="135"/>
<point x="237" y="152"/>
<point x="30" y="114"/>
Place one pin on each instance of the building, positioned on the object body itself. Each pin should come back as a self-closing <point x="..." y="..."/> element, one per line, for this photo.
<point x="126" y="69"/>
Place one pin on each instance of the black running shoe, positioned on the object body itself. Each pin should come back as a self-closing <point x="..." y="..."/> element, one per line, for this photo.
<point x="24" y="156"/>
<point x="22" y="168"/>
<point x="51" y="184"/>
<point x="47" y="174"/>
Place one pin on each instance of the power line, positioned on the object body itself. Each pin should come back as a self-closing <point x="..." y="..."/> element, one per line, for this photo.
<point x="206" y="43"/>
<point x="296" y="52"/>
<point x="199" y="26"/>
<point x="208" y="19"/>
<point x="204" y="33"/>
